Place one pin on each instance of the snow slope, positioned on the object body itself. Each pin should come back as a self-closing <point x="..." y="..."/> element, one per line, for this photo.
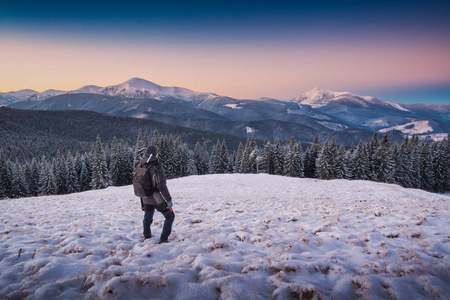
<point x="416" y="127"/>
<point x="235" y="237"/>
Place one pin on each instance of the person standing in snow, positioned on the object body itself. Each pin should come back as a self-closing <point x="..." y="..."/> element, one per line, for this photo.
<point x="161" y="200"/>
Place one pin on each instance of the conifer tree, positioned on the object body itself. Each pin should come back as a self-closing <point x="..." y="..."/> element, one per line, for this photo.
<point x="167" y="156"/>
<point x="224" y="160"/>
<point x="361" y="162"/>
<point x="146" y="141"/>
<point x="125" y="164"/>
<point x="349" y="163"/>
<point x="46" y="179"/>
<point x="278" y="160"/>
<point x="84" y="178"/>
<point x="115" y="165"/>
<point x="72" y="178"/>
<point x="384" y="161"/>
<point x="406" y="164"/>
<point x="372" y="149"/>
<point x="415" y="175"/>
<point x="254" y="156"/>
<point x="245" y="164"/>
<point x="325" y="162"/>
<point x="397" y="172"/>
<point x="445" y="153"/>
<point x="239" y="158"/>
<point x="311" y="157"/>
<point x="201" y="159"/>
<point x="139" y="149"/>
<point x="426" y="167"/>
<point x="339" y="163"/>
<point x="217" y="164"/>
<point x="439" y="166"/>
<point x="183" y="157"/>
<point x="100" y="173"/>
<point x="33" y="177"/>
<point x="156" y="139"/>
<point x="60" y="174"/>
<point x="293" y="165"/>
<point x="5" y="181"/>
<point x="267" y="159"/>
<point x="19" y="185"/>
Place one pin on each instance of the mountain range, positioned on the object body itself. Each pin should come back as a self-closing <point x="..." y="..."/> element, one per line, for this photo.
<point x="315" y="111"/>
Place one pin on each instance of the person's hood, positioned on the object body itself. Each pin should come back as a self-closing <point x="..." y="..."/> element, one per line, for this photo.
<point x="150" y="155"/>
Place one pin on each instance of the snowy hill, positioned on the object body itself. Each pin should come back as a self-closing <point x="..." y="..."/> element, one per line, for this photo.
<point x="235" y="236"/>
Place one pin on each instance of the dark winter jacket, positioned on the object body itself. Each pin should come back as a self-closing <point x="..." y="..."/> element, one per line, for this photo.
<point x="162" y="194"/>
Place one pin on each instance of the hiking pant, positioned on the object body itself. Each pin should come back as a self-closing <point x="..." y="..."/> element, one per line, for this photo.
<point x="149" y="210"/>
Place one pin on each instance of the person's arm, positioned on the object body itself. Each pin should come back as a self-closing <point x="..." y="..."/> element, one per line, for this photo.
<point x="161" y="183"/>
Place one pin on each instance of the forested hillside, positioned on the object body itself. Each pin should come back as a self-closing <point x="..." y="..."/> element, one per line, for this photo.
<point x="28" y="134"/>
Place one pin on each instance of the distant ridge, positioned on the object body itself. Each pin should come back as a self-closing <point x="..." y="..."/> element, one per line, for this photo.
<point x="318" y="109"/>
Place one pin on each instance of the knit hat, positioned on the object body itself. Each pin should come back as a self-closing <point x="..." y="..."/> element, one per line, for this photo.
<point x="151" y="150"/>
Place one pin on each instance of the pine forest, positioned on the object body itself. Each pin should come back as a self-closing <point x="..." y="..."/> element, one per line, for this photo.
<point x="414" y="163"/>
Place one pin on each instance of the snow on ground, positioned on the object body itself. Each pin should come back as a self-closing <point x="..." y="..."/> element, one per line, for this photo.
<point x="235" y="237"/>
<point x="233" y="106"/>
<point x="249" y="129"/>
<point x="416" y="127"/>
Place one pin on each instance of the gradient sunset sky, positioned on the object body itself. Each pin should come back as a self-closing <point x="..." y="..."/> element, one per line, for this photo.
<point x="398" y="51"/>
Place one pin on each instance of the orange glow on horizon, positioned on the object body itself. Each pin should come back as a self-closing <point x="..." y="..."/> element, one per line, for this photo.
<point x="235" y="70"/>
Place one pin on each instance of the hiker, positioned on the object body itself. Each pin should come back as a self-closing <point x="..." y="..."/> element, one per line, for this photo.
<point x="161" y="200"/>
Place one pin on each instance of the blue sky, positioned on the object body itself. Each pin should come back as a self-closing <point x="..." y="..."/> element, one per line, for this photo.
<point x="396" y="50"/>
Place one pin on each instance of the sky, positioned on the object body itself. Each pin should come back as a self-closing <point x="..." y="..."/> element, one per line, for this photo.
<point x="398" y="51"/>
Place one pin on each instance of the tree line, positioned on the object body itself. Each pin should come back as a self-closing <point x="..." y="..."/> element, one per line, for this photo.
<point x="414" y="163"/>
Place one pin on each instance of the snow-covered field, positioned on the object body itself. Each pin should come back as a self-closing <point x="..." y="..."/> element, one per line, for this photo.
<point x="234" y="237"/>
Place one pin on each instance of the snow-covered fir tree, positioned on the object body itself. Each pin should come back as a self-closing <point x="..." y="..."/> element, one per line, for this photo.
<point x="201" y="159"/>
<point x="84" y="179"/>
<point x="139" y="149"/>
<point x="325" y="161"/>
<point x="339" y="163"/>
<point x="384" y="161"/>
<point x="349" y="163"/>
<point x="311" y="157"/>
<point x="72" y="185"/>
<point x="114" y="167"/>
<point x="361" y="159"/>
<point x="217" y="166"/>
<point x="278" y="158"/>
<point x="239" y="158"/>
<point x="426" y="167"/>
<point x="5" y="179"/>
<point x="60" y="174"/>
<point x="32" y="177"/>
<point x="100" y="172"/>
<point x="267" y="158"/>
<point x="47" y="184"/>
<point x="293" y="164"/>
<point x="224" y="160"/>
<point x="19" y="185"/>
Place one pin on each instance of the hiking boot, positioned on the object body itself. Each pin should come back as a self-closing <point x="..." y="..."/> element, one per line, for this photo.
<point x="146" y="237"/>
<point x="163" y="241"/>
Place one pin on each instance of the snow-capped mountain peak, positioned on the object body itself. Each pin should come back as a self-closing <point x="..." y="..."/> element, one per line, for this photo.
<point x="135" y="87"/>
<point x="142" y="84"/>
<point x="87" y="89"/>
<point x="141" y="88"/>
<point x="317" y="97"/>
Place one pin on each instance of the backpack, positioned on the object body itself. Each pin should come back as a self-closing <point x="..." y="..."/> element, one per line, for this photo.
<point x="144" y="182"/>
